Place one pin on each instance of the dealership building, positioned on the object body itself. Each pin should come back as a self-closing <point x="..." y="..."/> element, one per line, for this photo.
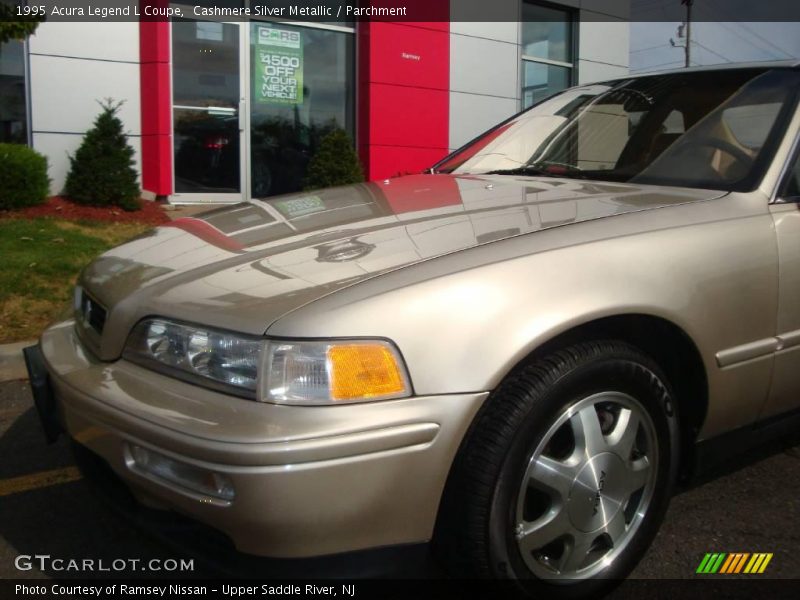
<point x="221" y="111"/>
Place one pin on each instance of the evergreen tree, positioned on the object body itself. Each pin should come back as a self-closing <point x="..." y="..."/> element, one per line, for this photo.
<point x="101" y="172"/>
<point x="334" y="163"/>
<point x="13" y="27"/>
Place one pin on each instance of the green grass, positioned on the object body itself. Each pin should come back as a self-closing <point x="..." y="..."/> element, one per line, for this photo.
<point x="39" y="261"/>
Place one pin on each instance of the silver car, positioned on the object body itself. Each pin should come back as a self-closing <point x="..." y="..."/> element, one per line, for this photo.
<point x="513" y="358"/>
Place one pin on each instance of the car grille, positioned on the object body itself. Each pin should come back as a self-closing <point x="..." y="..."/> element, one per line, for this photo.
<point x="91" y="312"/>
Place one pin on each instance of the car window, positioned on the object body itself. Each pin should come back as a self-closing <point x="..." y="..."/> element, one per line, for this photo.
<point x="601" y="135"/>
<point x="724" y="148"/>
<point x="750" y="124"/>
<point x="674" y="124"/>
<point x="791" y="186"/>
<point x="695" y="129"/>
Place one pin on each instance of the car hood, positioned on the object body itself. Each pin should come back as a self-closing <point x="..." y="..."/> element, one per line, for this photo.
<point x="242" y="267"/>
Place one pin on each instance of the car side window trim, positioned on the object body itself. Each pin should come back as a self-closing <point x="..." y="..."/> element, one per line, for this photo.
<point x="791" y="165"/>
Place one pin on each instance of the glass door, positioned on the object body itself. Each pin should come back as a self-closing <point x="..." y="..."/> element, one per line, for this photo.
<point x="207" y="93"/>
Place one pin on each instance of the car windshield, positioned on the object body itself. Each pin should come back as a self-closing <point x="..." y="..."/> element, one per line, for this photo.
<point x="713" y="130"/>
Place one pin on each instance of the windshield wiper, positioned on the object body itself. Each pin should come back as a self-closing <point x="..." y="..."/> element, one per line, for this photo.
<point x="547" y="169"/>
<point x="523" y="170"/>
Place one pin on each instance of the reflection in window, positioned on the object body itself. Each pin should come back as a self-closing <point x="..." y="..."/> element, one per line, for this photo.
<point x="546" y="52"/>
<point x="13" y="107"/>
<point x="546" y="33"/>
<point x="540" y="80"/>
<point x="750" y="124"/>
<point x="205" y="82"/>
<point x="301" y="89"/>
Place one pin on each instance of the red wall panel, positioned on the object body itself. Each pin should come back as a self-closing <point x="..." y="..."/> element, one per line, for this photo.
<point x="408" y="116"/>
<point x="157" y="164"/>
<point x="404" y="81"/>
<point x="409" y="55"/>
<point x="420" y="192"/>
<point x="393" y="161"/>
<point x="156" y="109"/>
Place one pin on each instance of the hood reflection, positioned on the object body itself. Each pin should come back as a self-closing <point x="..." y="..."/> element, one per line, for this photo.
<point x="298" y="247"/>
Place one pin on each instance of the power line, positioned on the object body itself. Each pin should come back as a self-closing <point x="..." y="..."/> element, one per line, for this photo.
<point x="651" y="48"/>
<point x="714" y="52"/>
<point x="765" y="40"/>
<point x="748" y="41"/>
<point x="747" y="29"/>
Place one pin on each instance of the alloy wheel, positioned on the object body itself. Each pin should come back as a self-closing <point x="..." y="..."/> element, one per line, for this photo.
<point x="587" y="487"/>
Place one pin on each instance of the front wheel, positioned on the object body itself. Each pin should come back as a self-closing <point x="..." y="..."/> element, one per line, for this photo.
<point x="567" y="472"/>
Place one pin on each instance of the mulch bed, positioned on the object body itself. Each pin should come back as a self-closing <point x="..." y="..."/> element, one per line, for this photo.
<point x="151" y="213"/>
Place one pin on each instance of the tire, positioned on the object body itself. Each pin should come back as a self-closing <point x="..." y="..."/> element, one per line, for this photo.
<point x="565" y="476"/>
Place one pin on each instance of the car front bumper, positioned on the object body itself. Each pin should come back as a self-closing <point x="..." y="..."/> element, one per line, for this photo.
<point x="308" y="481"/>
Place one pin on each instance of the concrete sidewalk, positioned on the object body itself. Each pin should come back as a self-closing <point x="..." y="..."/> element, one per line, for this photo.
<point x="12" y="364"/>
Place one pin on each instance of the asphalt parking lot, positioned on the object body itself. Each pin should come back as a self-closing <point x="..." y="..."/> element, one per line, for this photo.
<point x="45" y="508"/>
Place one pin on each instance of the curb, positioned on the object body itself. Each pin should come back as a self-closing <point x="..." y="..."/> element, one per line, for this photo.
<point x="12" y="363"/>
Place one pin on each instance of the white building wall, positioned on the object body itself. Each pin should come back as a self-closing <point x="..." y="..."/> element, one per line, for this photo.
<point x="485" y="62"/>
<point x="603" y="40"/>
<point x="484" y="76"/>
<point x="72" y="67"/>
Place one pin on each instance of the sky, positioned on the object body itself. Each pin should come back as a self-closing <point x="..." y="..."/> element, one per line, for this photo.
<point x="712" y="43"/>
<point x="723" y="31"/>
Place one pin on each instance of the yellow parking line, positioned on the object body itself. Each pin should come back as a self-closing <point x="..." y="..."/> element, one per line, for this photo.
<point x="39" y="480"/>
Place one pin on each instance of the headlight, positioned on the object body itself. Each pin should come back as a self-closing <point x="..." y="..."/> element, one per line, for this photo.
<point x="294" y="372"/>
<point x="221" y="360"/>
<point x="333" y="372"/>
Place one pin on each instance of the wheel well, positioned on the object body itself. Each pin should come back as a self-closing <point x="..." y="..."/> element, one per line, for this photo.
<point x="663" y="341"/>
<point x="670" y="347"/>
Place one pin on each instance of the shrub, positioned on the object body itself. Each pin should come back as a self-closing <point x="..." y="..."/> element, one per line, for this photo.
<point x="101" y="172"/>
<point x="23" y="176"/>
<point x="334" y="163"/>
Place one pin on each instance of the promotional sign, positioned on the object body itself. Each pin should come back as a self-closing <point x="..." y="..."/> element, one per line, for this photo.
<point x="299" y="207"/>
<point x="278" y="66"/>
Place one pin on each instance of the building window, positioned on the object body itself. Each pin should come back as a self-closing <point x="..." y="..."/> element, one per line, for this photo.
<point x="13" y="106"/>
<point x="547" y="52"/>
<point x="301" y="89"/>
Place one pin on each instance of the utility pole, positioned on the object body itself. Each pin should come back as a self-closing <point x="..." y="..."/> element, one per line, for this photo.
<point x="688" y="49"/>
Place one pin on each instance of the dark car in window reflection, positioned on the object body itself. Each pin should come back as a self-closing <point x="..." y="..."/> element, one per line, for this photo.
<point x="207" y="151"/>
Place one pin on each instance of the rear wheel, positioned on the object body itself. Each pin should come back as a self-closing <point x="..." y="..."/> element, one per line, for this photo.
<point x="567" y="472"/>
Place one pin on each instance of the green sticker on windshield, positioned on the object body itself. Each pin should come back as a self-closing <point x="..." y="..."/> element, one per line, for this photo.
<point x="298" y="207"/>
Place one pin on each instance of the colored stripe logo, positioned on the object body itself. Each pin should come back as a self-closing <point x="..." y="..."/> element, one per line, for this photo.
<point x="734" y="562"/>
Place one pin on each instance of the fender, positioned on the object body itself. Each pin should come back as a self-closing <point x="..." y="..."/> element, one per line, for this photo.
<point x="464" y="320"/>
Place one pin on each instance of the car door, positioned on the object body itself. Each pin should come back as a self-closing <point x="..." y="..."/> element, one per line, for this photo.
<point x="785" y="390"/>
